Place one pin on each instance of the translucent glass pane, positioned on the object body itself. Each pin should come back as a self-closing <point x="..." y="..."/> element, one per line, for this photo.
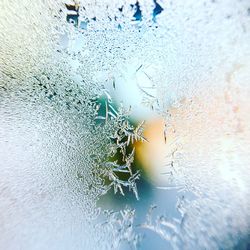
<point x="124" y="124"/>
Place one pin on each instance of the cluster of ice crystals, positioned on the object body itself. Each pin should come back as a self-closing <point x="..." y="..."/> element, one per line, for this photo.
<point x="56" y="146"/>
<point x="53" y="146"/>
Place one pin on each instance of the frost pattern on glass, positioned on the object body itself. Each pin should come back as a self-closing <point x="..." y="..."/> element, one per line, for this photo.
<point x="54" y="149"/>
<point x="189" y="62"/>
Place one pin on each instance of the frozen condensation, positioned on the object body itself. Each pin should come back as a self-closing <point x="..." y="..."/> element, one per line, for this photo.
<point x="189" y="60"/>
<point x="54" y="149"/>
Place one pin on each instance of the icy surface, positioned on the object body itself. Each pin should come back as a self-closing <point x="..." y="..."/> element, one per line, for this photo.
<point x="188" y="63"/>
